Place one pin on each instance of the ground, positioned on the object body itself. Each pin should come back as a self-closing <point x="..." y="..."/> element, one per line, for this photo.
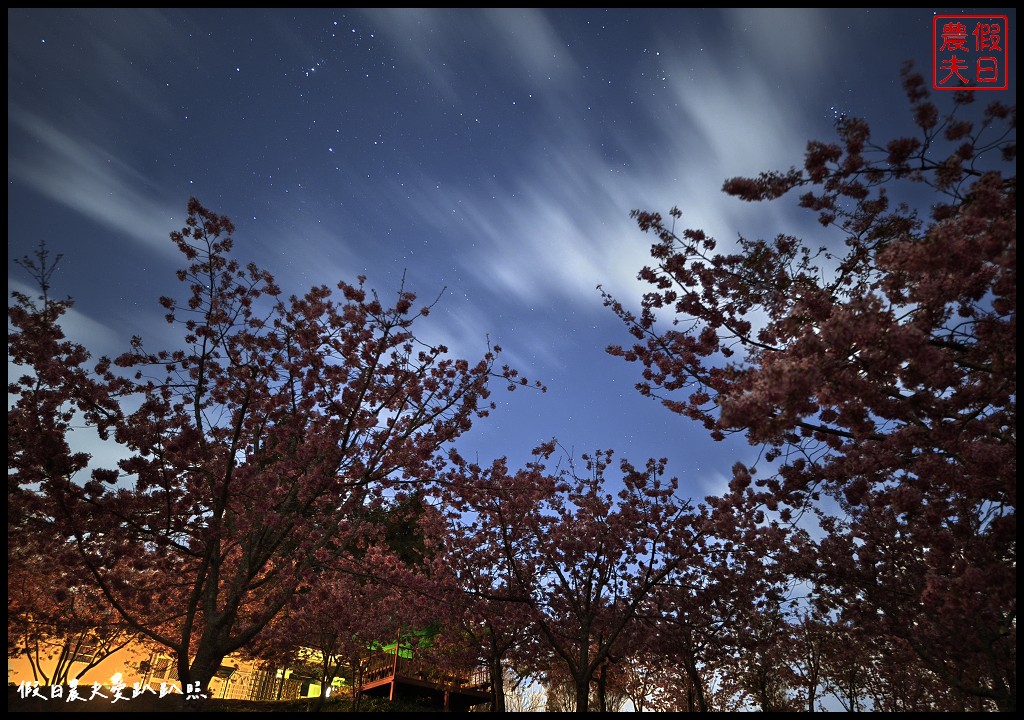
<point x="152" y="703"/>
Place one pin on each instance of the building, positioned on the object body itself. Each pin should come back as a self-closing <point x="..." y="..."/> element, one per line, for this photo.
<point x="393" y="671"/>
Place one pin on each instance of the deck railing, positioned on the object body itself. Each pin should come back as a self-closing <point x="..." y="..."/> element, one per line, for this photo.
<point x="383" y="665"/>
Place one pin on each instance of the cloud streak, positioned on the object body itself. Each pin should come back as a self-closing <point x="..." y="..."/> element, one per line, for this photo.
<point x="84" y="177"/>
<point x="522" y="42"/>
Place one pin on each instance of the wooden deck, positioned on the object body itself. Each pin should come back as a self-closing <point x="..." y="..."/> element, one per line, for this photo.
<point x="395" y="677"/>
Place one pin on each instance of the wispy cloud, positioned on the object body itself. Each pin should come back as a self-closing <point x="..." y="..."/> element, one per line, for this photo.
<point x="434" y="43"/>
<point x="85" y="177"/>
<point x="790" y="47"/>
<point x="527" y="37"/>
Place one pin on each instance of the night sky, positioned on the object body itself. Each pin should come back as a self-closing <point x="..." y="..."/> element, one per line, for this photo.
<point x="491" y="157"/>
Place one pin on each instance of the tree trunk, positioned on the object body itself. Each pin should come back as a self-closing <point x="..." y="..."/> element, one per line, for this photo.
<point x="195" y="678"/>
<point x="497" y="674"/>
<point x="696" y="687"/>
<point x="582" y="694"/>
<point x="602" y="677"/>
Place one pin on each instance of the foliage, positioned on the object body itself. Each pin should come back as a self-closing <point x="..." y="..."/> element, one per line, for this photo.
<point x="879" y="377"/>
<point x="580" y="559"/>
<point x="286" y="484"/>
<point x="60" y="624"/>
<point x="251" y="445"/>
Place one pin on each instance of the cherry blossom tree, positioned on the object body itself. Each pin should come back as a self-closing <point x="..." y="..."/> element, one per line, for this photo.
<point x="759" y="674"/>
<point x="494" y="620"/>
<point x="643" y="674"/>
<point x="704" y="622"/>
<point x="55" y="616"/>
<point x="581" y="559"/>
<point x="808" y="637"/>
<point x="495" y="627"/>
<point x="521" y="695"/>
<point x="56" y="619"/>
<point x="352" y="604"/>
<point x="249" y="446"/>
<point x="877" y="372"/>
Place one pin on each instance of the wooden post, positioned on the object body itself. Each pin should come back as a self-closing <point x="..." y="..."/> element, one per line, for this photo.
<point x="394" y="669"/>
